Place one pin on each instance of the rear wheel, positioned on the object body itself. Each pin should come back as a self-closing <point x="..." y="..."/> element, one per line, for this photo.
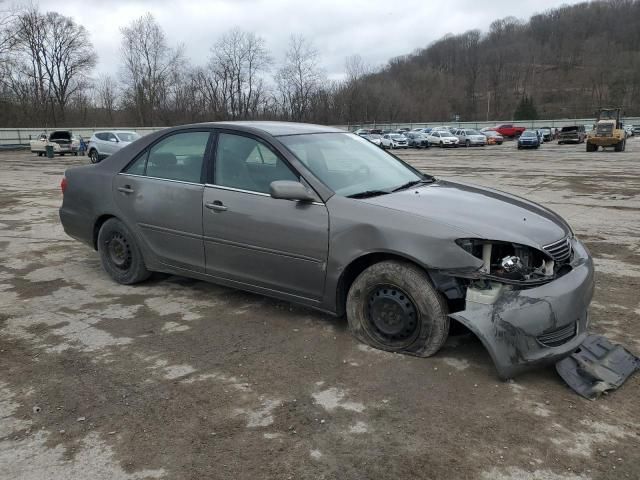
<point x="121" y="258"/>
<point x="392" y="306"/>
<point x="591" y="147"/>
<point x="467" y="143"/>
<point x="619" y="147"/>
<point x="93" y="156"/>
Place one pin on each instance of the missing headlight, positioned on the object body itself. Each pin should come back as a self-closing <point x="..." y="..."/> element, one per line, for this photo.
<point x="510" y="261"/>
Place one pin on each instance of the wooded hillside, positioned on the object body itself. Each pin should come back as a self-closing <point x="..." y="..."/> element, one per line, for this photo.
<point x="562" y="63"/>
<point x="569" y="61"/>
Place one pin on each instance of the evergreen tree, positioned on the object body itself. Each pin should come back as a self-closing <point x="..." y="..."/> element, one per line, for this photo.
<point x="525" y="110"/>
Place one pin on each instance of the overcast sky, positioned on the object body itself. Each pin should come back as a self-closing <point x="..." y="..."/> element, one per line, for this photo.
<point x="377" y="30"/>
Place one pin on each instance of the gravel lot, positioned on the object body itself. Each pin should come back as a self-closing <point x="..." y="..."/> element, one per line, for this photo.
<point x="179" y="379"/>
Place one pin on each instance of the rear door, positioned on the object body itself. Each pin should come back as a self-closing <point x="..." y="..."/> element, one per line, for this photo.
<point x="160" y="196"/>
<point x="252" y="238"/>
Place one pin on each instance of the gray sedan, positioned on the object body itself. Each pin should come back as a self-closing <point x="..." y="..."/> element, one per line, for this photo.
<point x="324" y="218"/>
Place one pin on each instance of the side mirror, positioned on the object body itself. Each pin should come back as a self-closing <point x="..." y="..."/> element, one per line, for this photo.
<point x="115" y="140"/>
<point x="290" y="190"/>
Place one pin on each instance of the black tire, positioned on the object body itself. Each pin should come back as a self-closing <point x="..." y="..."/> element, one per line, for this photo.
<point x="412" y="317"/>
<point x="591" y="147"/>
<point x="441" y="144"/>
<point x="75" y="154"/>
<point x="121" y="258"/>
<point x="93" y="156"/>
<point x="467" y="143"/>
<point x="619" y="147"/>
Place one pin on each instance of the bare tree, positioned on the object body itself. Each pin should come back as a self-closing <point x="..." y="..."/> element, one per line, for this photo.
<point x="107" y="92"/>
<point x="299" y="78"/>
<point x="49" y="61"/>
<point x="8" y="16"/>
<point x="149" y="66"/>
<point x="68" y="56"/>
<point x="238" y="59"/>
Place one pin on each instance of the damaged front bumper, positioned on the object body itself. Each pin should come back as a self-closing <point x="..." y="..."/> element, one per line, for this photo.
<point x="534" y="326"/>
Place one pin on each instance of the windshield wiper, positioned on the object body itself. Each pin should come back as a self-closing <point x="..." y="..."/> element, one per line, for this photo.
<point x="368" y="193"/>
<point x="413" y="183"/>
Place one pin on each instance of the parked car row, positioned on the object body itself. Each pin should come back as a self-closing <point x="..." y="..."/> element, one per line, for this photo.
<point x="425" y="137"/>
<point x="444" y="135"/>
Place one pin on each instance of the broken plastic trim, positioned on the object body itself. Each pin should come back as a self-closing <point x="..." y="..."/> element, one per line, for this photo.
<point x="480" y="275"/>
<point x="597" y="366"/>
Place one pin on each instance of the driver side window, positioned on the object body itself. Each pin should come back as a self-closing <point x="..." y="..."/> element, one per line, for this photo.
<point x="248" y="164"/>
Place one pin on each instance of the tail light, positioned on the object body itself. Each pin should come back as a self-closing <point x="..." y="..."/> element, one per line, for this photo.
<point x="63" y="184"/>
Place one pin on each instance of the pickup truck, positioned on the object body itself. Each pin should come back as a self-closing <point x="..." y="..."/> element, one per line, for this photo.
<point x="509" y="130"/>
<point x="62" y="142"/>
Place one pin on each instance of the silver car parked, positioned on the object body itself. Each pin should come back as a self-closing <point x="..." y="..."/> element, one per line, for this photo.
<point x="470" y="138"/>
<point x="324" y="218"/>
<point x="103" y="144"/>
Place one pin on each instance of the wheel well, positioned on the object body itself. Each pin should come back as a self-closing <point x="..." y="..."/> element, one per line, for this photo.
<point x="355" y="268"/>
<point x="96" y="228"/>
<point x="451" y="288"/>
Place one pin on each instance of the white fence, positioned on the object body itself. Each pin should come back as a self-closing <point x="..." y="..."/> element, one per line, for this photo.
<point x="16" y="137"/>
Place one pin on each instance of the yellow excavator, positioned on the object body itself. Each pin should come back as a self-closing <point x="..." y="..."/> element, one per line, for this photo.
<point x="607" y="131"/>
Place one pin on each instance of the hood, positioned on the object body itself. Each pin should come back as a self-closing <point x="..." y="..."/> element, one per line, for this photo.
<point x="481" y="212"/>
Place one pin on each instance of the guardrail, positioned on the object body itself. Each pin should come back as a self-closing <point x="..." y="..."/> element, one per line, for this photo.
<point x="557" y="123"/>
<point x="19" y="137"/>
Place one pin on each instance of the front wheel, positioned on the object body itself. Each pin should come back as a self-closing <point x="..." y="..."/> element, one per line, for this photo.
<point x="120" y="256"/>
<point x="393" y="306"/>
<point x="467" y="143"/>
<point x="93" y="156"/>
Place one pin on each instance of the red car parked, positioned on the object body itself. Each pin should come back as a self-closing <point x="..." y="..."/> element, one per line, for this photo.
<point x="509" y="130"/>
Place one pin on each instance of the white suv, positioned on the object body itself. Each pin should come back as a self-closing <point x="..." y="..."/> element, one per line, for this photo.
<point x="108" y="142"/>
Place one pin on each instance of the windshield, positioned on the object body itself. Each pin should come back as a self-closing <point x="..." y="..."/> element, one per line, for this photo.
<point x="128" y="137"/>
<point x="473" y="132"/>
<point x="396" y="136"/>
<point x="529" y="133"/>
<point x="349" y="165"/>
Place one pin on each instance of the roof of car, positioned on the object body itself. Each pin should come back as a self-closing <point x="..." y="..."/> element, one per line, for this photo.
<point x="114" y="131"/>
<point x="277" y="129"/>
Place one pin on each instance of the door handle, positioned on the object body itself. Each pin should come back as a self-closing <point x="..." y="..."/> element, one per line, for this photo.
<point x="216" y="206"/>
<point x="126" y="189"/>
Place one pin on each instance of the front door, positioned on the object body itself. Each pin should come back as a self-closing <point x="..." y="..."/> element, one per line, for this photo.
<point x="160" y="197"/>
<point x="255" y="239"/>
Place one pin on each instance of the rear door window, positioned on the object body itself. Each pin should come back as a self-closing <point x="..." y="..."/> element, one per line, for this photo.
<point x="177" y="157"/>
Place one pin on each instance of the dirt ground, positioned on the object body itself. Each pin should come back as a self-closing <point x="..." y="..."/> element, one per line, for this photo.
<point x="179" y="379"/>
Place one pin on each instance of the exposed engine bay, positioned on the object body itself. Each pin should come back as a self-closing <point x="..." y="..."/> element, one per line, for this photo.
<point x="516" y="264"/>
